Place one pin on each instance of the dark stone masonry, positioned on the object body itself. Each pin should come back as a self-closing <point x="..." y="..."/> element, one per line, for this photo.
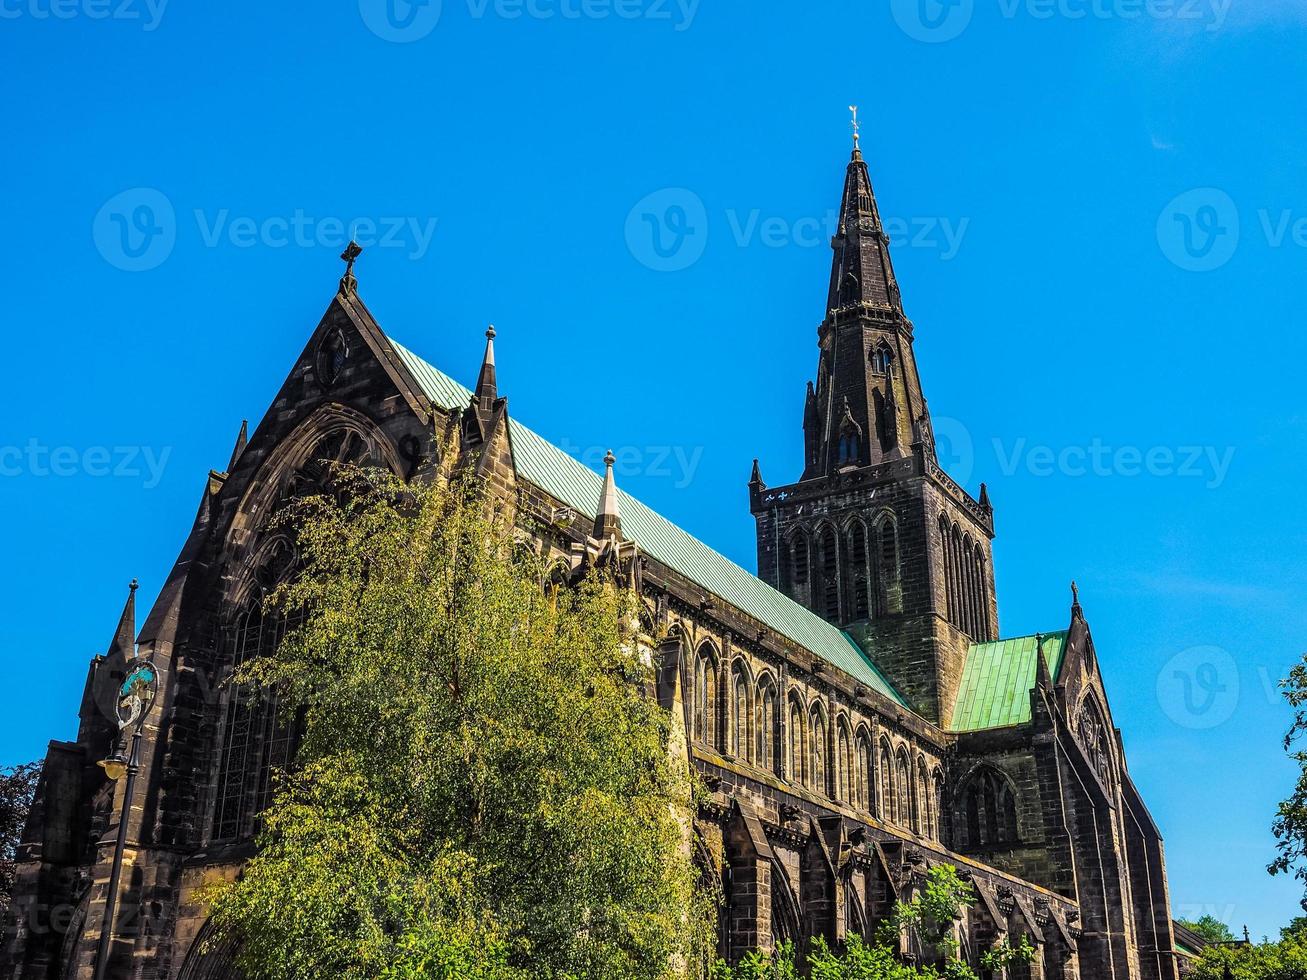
<point x="872" y="728"/>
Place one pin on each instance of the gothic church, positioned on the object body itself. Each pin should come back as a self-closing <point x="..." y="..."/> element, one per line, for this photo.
<point x="854" y="709"/>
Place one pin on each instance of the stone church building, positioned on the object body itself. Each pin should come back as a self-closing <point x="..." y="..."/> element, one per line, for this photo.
<point x="854" y="709"/>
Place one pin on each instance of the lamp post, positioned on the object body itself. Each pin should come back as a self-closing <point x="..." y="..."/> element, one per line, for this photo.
<point x="135" y="696"/>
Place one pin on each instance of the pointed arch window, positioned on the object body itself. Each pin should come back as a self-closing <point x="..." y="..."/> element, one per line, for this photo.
<point x="794" y="767"/>
<point x="705" y="697"/>
<point x="844" y="775"/>
<point x="258" y="736"/>
<point x="799" y="559"/>
<point x="937" y="799"/>
<point x="859" y="570"/>
<point x="889" y="588"/>
<point x="881" y="358"/>
<point x="818" y="771"/>
<point x="988" y="810"/>
<point x="1092" y="733"/>
<point x="907" y="803"/>
<point x="830" y="574"/>
<point x="766" y="724"/>
<point x="866" y="768"/>
<point x="740" y="714"/>
<point x="887" y="803"/>
<point x="924" y="818"/>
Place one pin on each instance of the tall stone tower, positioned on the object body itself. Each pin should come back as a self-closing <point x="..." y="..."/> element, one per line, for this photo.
<point x="874" y="536"/>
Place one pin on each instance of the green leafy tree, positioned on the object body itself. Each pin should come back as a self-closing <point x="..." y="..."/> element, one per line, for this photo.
<point x="930" y="917"/>
<point x="928" y="920"/>
<point x="483" y="788"/>
<point x="17" y="790"/>
<point x="1290" y="824"/>
<point x="1283" y="960"/>
<point x="1210" y="928"/>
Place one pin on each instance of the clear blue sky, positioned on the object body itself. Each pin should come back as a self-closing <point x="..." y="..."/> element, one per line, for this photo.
<point x="1083" y="317"/>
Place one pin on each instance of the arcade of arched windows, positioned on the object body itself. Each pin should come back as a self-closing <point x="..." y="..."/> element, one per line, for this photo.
<point x="966" y="580"/>
<point x="807" y="742"/>
<point x="845" y="574"/>
<point x="256" y="736"/>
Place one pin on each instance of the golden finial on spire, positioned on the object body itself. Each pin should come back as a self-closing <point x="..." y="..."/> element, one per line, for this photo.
<point x="854" y="109"/>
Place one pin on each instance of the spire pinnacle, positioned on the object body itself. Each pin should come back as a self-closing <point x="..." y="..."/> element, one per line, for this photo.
<point x="123" y="646"/>
<point x="857" y="150"/>
<point x="348" y="284"/>
<point x="487" y="385"/>
<point x="1076" y="611"/>
<point x="608" y="522"/>
<point x="755" y="478"/>
<point x="242" y="440"/>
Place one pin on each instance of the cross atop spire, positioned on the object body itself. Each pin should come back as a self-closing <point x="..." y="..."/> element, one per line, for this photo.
<point x="348" y="284"/>
<point x="857" y="151"/>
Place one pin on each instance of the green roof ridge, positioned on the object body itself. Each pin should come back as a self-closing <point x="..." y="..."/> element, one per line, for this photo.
<point x="569" y="480"/>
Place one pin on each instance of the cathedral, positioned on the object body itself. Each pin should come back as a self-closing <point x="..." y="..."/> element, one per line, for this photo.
<point x="854" y="710"/>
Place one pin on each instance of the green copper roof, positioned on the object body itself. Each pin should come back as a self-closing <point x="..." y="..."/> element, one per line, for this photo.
<point x="567" y="479"/>
<point x="998" y="679"/>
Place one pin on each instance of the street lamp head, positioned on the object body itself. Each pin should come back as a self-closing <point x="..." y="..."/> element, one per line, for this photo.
<point x="115" y="766"/>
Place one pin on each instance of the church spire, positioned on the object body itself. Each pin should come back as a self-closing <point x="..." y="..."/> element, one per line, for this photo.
<point x="123" y="646"/>
<point x="866" y="407"/>
<point x="242" y="440"/>
<point x="861" y="272"/>
<point x="487" y="387"/>
<point x="608" y="522"/>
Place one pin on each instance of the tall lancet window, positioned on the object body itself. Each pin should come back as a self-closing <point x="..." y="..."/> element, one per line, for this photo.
<point x="258" y="737"/>
<point x="740" y="714"/>
<point x="881" y="358"/>
<point x="830" y="574"/>
<point x="705" y="697"/>
<point x="859" y="570"/>
<point x="766" y="724"/>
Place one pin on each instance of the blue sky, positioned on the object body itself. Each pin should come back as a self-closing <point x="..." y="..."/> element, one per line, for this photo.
<point x="1101" y="232"/>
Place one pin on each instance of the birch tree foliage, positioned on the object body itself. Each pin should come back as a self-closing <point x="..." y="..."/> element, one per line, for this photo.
<point x="482" y="787"/>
